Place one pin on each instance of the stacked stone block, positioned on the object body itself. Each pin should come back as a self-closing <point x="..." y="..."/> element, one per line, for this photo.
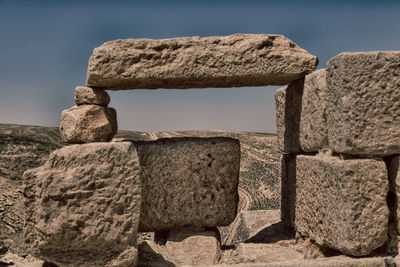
<point x="339" y="132"/>
<point x="91" y="120"/>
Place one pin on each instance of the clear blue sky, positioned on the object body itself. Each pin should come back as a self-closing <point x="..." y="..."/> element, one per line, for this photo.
<point x="45" y="47"/>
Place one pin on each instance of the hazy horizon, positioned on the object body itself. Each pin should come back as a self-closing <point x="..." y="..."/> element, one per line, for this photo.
<point x="45" y="47"/>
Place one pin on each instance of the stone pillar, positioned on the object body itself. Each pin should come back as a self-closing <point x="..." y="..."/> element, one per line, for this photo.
<point x="337" y="128"/>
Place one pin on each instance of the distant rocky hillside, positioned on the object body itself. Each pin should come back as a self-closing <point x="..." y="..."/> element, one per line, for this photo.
<point x="25" y="147"/>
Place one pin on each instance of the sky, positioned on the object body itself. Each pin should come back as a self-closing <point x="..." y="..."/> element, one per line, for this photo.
<point x="45" y="47"/>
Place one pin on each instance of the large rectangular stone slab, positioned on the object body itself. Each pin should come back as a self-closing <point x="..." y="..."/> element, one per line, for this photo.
<point x="194" y="62"/>
<point x="364" y="103"/>
<point x="188" y="182"/>
<point x="301" y="114"/>
<point x="83" y="206"/>
<point x="342" y="203"/>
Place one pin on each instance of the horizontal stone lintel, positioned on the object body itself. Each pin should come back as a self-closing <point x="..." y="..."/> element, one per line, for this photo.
<point x="192" y="62"/>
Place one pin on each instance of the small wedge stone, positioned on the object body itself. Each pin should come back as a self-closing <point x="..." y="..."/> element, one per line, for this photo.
<point x="91" y="96"/>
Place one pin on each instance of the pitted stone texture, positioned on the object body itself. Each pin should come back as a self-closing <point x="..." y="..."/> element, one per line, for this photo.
<point x="194" y="62"/>
<point x="313" y="134"/>
<point x="83" y="206"/>
<point x="188" y="182"/>
<point x="182" y="247"/>
<point x="288" y="113"/>
<point x="88" y="123"/>
<point x="364" y="103"/>
<point x="91" y="96"/>
<point x="300" y="114"/>
<point x="394" y="177"/>
<point x="342" y="203"/>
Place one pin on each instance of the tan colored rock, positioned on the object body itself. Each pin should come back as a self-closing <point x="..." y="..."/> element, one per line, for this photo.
<point x="341" y="204"/>
<point x="188" y="182"/>
<point x="83" y="205"/>
<point x="364" y="103"/>
<point x="338" y="261"/>
<point x="251" y="226"/>
<point x="88" y="123"/>
<point x="91" y="96"/>
<point x="193" y="248"/>
<point x="11" y="259"/>
<point x="313" y="134"/>
<point x="300" y="114"/>
<point x="262" y="253"/>
<point x="194" y="62"/>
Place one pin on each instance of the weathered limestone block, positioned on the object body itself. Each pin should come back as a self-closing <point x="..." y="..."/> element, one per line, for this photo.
<point x="394" y="177"/>
<point x="300" y="114"/>
<point x="91" y="96"/>
<point x="364" y="103"/>
<point x="83" y="206"/>
<point x="313" y="134"/>
<point x="188" y="182"/>
<point x="182" y="247"/>
<point x="342" y="203"/>
<point x="194" y="62"/>
<point x="88" y="123"/>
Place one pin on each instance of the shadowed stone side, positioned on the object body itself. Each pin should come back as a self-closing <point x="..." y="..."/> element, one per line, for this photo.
<point x="288" y="113"/>
<point x="83" y="206"/>
<point x="394" y="176"/>
<point x="188" y="182"/>
<point x="194" y="62"/>
<point x="301" y="114"/>
<point x="342" y="203"/>
<point x="364" y="103"/>
<point x="313" y="134"/>
<point x="88" y="123"/>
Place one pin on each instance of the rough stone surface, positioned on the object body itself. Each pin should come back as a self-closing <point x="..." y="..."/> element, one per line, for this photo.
<point x="394" y="177"/>
<point x="313" y="135"/>
<point x="186" y="247"/>
<point x="261" y="253"/>
<point x="364" y="103"/>
<point x="252" y="226"/>
<point x="194" y="62"/>
<point x="338" y="261"/>
<point x="300" y="114"/>
<point x="83" y="205"/>
<point x="288" y="113"/>
<point x="188" y="182"/>
<point x="88" y="123"/>
<point x="341" y="204"/>
<point x="11" y="259"/>
<point x="91" y="96"/>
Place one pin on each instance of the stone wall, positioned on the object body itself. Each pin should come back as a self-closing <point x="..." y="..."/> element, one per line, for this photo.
<point x="339" y="133"/>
